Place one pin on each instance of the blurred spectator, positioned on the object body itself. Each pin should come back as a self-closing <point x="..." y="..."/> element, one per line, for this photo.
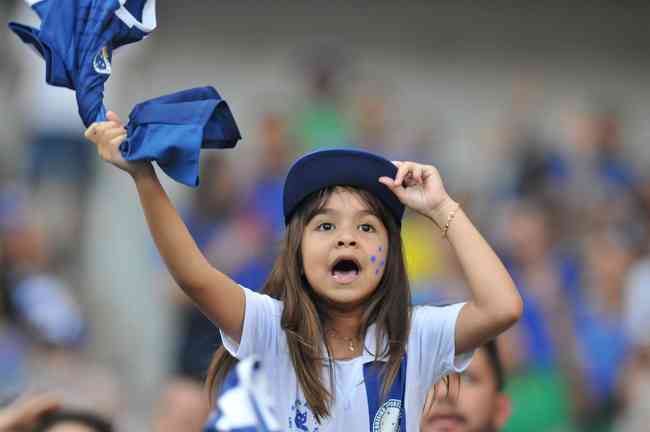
<point x="637" y="302"/>
<point x="321" y="122"/>
<point x="374" y="119"/>
<point x="183" y="406"/>
<point x="598" y="182"/>
<point x="635" y="392"/>
<point x="23" y="414"/>
<point x="45" y="328"/>
<point x="275" y="153"/>
<point x="38" y="298"/>
<point x="479" y="404"/>
<point x="539" y="349"/>
<point x="601" y="342"/>
<point x="73" y="421"/>
<point x="634" y="385"/>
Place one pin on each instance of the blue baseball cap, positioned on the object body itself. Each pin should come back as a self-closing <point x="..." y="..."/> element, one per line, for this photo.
<point x="339" y="167"/>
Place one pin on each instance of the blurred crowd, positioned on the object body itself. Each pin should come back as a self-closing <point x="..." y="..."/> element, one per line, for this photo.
<point x="568" y="213"/>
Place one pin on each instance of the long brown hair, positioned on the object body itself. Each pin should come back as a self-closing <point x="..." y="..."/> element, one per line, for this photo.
<point x="304" y="313"/>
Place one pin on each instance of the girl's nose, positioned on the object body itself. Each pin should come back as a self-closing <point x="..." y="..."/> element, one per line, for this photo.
<point x="346" y="240"/>
<point x="348" y="243"/>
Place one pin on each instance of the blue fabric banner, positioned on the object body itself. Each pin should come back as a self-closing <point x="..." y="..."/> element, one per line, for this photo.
<point x="244" y="403"/>
<point x="173" y="129"/>
<point x="77" y="39"/>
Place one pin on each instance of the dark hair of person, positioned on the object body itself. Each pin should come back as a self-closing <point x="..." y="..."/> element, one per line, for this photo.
<point x="92" y="420"/>
<point x="492" y="352"/>
<point x="304" y="314"/>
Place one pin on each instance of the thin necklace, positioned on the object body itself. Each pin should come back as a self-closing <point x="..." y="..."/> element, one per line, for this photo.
<point x="350" y="341"/>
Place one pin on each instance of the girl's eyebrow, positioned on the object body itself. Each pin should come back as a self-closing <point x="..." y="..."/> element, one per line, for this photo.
<point x="331" y="211"/>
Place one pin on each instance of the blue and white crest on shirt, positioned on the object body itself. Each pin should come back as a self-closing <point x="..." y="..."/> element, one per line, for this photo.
<point x="102" y="62"/>
<point x="301" y="418"/>
<point x="387" y="417"/>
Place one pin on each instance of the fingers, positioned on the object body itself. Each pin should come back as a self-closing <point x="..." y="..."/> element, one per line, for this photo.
<point x="409" y="174"/>
<point x="91" y="131"/>
<point x="106" y="126"/>
<point x="117" y="140"/>
<point x="109" y="134"/>
<point x="104" y="131"/>
<point x="387" y="181"/>
<point x="112" y="116"/>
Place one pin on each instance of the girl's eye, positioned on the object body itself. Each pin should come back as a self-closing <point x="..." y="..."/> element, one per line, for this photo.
<point x="367" y="228"/>
<point x="325" y="226"/>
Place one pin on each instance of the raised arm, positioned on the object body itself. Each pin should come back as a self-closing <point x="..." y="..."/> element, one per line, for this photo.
<point x="218" y="296"/>
<point x="495" y="305"/>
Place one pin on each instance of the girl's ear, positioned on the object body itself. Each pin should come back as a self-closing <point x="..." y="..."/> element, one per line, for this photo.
<point x="503" y="410"/>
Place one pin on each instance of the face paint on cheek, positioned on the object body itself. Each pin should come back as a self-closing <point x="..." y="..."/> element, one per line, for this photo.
<point x="381" y="264"/>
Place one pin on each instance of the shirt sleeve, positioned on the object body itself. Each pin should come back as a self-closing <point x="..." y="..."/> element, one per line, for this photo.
<point x="432" y="350"/>
<point x="262" y="334"/>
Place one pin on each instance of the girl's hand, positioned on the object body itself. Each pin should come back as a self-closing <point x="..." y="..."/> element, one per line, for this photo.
<point x="107" y="137"/>
<point x="419" y="187"/>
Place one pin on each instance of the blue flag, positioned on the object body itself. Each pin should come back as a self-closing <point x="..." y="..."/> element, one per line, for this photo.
<point x="245" y="402"/>
<point x="173" y="129"/>
<point x="77" y="39"/>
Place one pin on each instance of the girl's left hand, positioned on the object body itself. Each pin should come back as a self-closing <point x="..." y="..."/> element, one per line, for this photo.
<point x="418" y="187"/>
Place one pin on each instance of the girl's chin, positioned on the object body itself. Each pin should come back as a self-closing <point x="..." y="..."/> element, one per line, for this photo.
<point x="345" y="297"/>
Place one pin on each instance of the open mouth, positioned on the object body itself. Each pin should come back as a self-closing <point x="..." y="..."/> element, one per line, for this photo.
<point x="345" y="270"/>
<point x="446" y="422"/>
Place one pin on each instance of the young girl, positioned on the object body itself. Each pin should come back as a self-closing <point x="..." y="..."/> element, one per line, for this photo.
<point x="343" y="347"/>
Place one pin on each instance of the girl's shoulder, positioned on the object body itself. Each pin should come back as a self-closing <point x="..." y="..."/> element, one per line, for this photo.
<point x="427" y="315"/>
<point x="264" y="301"/>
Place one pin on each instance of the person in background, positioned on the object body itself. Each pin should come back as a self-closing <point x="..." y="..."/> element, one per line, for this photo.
<point x="183" y="406"/>
<point x="476" y="402"/>
<point x="25" y="412"/>
<point x="73" y="421"/>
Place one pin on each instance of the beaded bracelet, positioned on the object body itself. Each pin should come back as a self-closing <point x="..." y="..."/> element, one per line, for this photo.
<point x="449" y="219"/>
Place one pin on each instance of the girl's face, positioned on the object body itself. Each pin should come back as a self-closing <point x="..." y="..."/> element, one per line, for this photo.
<point x="344" y="250"/>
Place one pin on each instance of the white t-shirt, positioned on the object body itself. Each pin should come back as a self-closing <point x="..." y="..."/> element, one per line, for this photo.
<point x="430" y="352"/>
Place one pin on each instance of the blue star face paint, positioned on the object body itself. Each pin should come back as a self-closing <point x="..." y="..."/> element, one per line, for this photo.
<point x="382" y="262"/>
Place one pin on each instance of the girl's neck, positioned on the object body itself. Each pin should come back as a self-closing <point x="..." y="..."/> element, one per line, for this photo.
<point x="342" y="332"/>
<point x="347" y="324"/>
